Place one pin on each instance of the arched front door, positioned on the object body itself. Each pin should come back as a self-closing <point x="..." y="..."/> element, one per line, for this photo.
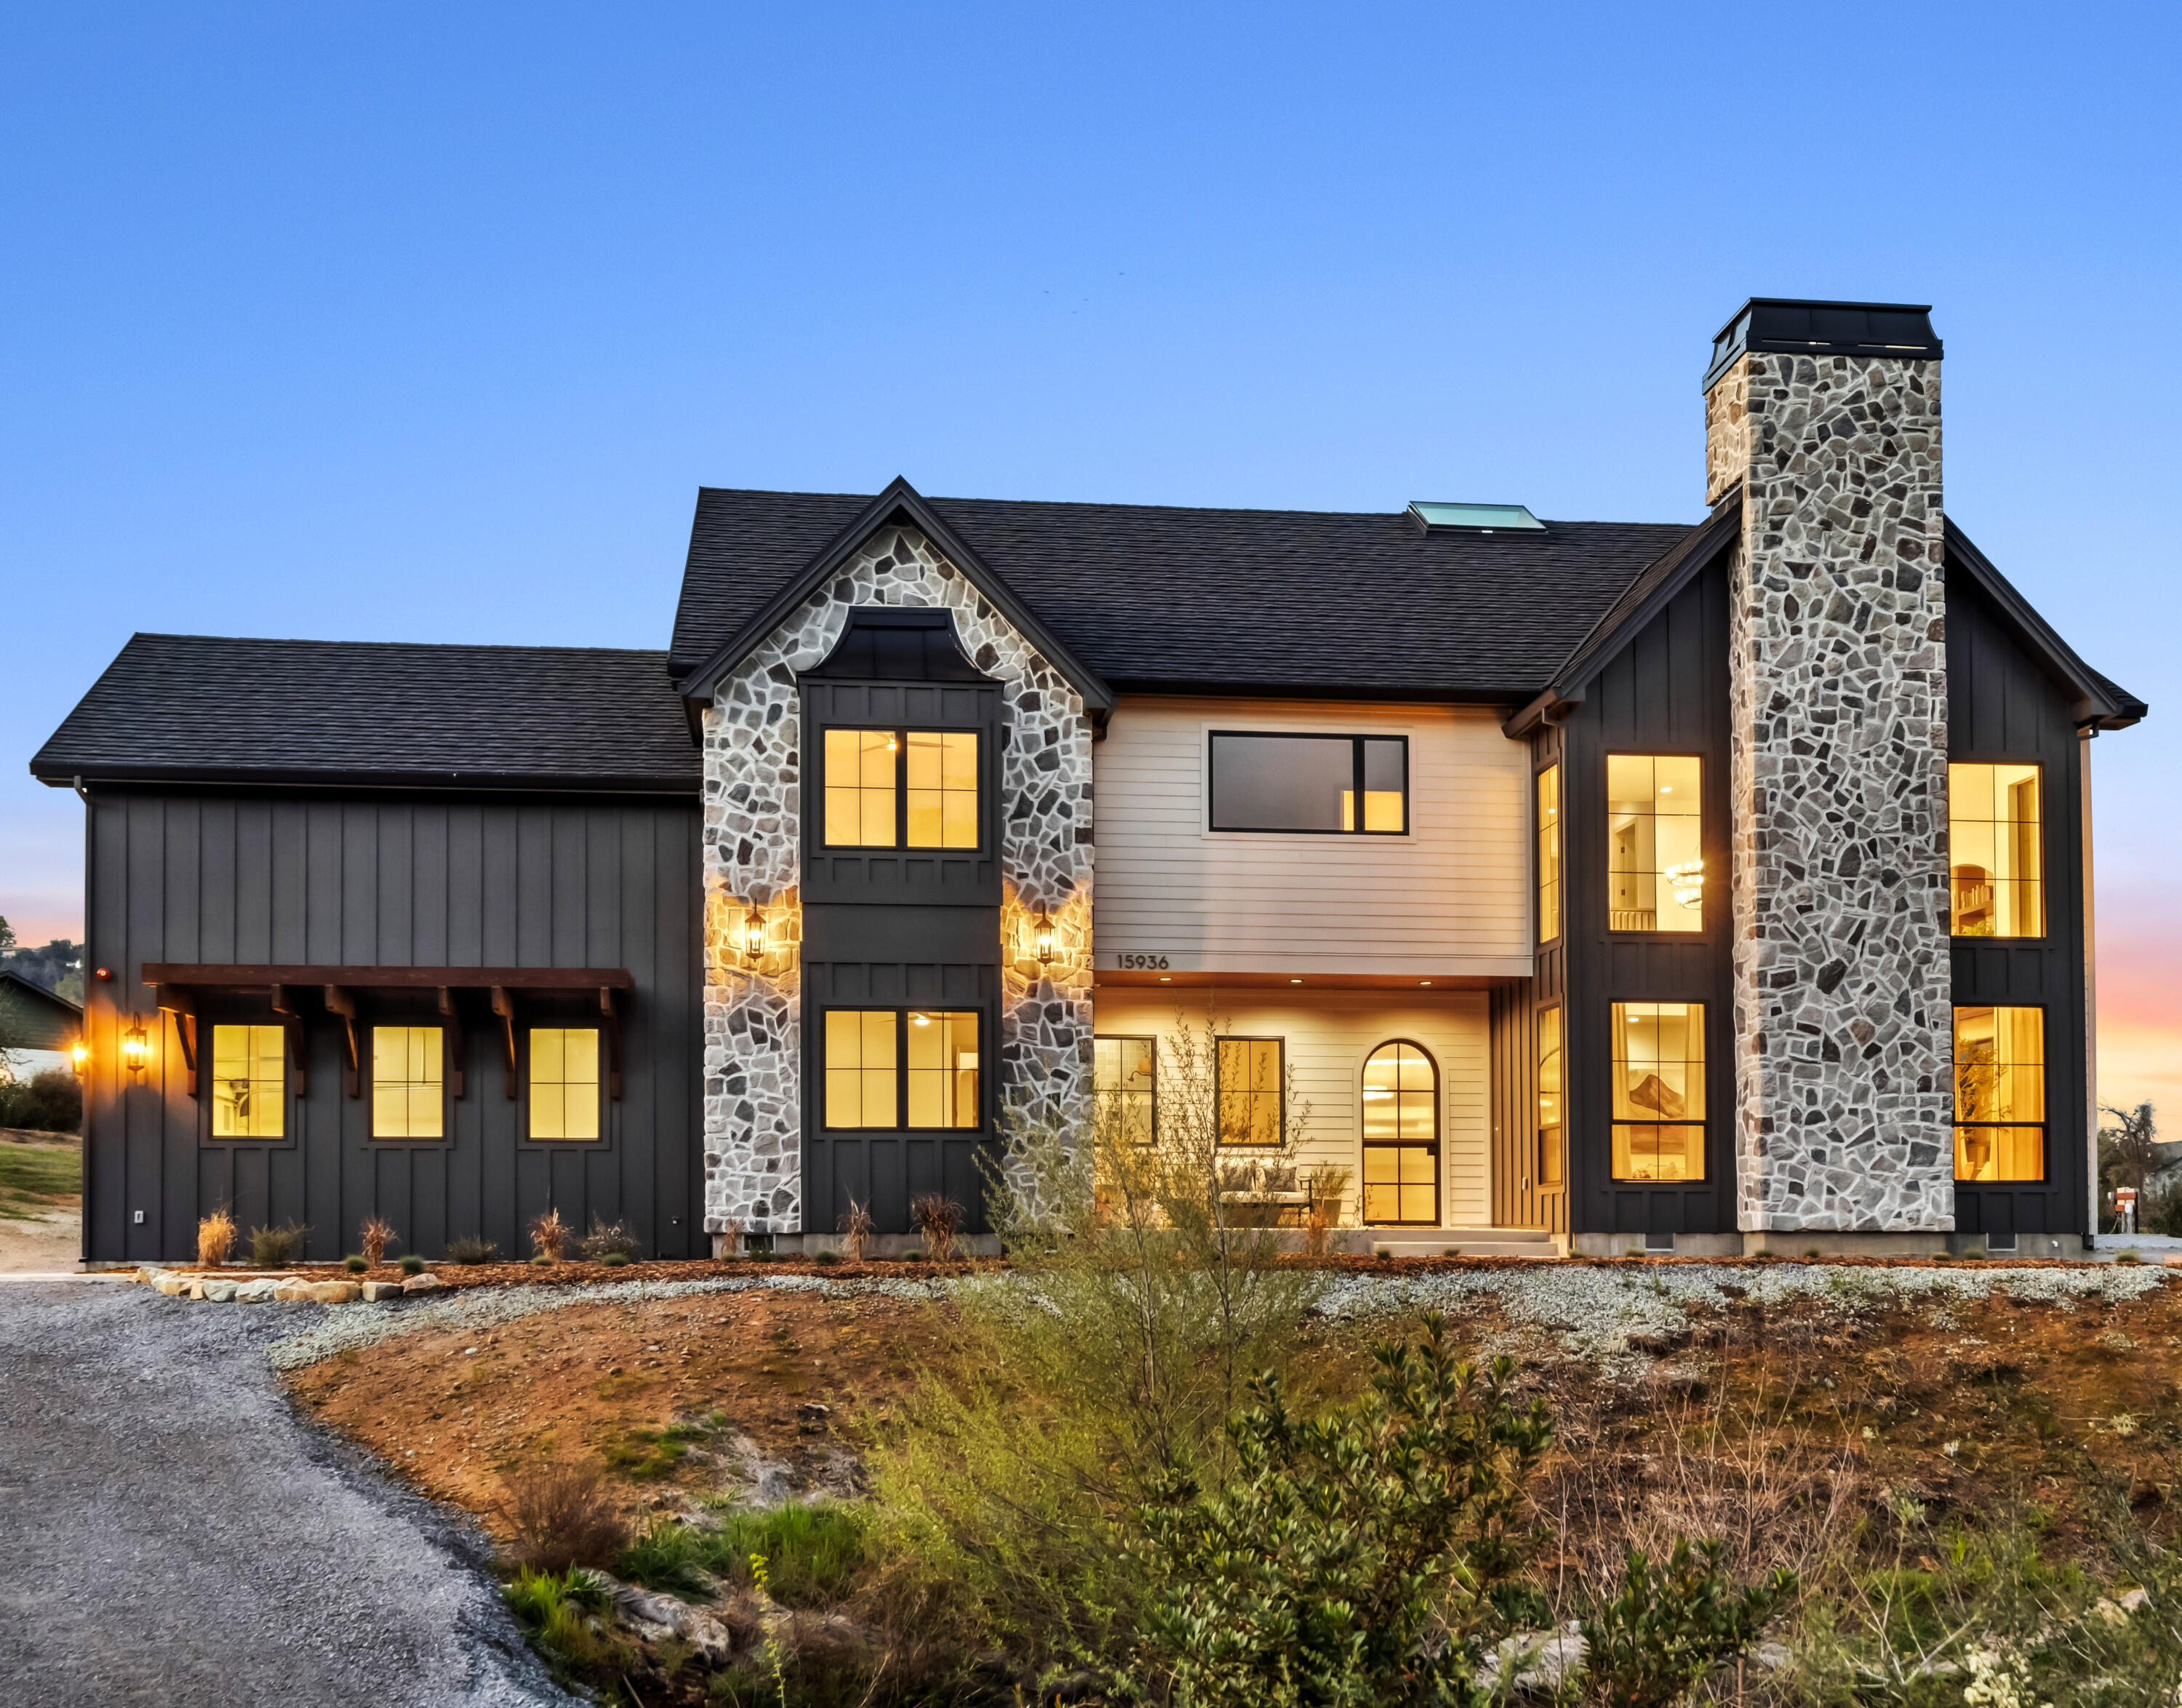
<point x="1401" y="1137"/>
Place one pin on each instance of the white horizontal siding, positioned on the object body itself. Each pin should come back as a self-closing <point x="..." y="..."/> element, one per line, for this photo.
<point x="1450" y="898"/>
<point x="1329" y="1033"/>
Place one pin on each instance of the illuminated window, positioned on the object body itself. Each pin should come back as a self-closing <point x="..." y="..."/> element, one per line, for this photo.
<point x="249" y="1082"/>
<point x="1659" y="1091"/>
<point x="1553" y="1152"/>
<point x="1125" y="1088"/>
<point x="1549" y="853"/>
<point x="942" y="1068"/>
<point x="1309" y="783"/>
<point x="1654" y="853"/>
<point x="1997" y="887"/>
<point x="871" y="774"/>
<point x="1401" y="1136"/>
<point x="892" y="1067"/>
<point x="2000" y="1094"/>
<point x="564" y="1082"/>
<point x="1250" y="1084"/>
<point x="405" y="1083"/>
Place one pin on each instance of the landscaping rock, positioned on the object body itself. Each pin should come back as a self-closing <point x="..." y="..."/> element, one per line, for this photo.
<point x="174" y="1286"/>
<point x="426" y="1283"/>
<point x="1542" y="1662"/>
<point x="376" y="1292"/>
<point x="219" y="1292"/>
<point x="335" y="1292"/>
<point x="259" y="1292"/>
<point x="653" y="1617"/>
<point x="293" y="1292"/>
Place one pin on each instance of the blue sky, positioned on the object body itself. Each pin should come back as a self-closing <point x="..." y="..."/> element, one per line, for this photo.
<point x="426" y="322"/>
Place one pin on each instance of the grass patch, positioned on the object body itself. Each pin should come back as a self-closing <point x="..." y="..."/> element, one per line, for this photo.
<point x="815" y="1551"/>
<point x="556" y="1608"/>
<point x="38" y="1177"/>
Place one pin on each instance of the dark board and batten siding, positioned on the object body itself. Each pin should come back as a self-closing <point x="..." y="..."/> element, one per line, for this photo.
<point x="1665" y="692"/>
<point x="393" y="881"/>
<point x="2002" y="707"/>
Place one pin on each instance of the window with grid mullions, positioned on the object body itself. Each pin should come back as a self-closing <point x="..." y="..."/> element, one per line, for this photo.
<point x="901" y="789"/>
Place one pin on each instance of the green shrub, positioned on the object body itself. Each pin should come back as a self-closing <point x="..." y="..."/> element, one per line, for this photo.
<point x="816" y="1552"/>
<point x="1315" y="1575"/>
<point x="540" y="1261"/>
<point x="355" y="1263"/>
<point x="471" y="1248"/>
<point x="614" y="1260"/>
<point x="276" y="1248"/>
<point x="51" y="1102"/>
<point x="828" y="1257"/>
<point x="1668" y="1628"/>
<point x="412" y="1264"/>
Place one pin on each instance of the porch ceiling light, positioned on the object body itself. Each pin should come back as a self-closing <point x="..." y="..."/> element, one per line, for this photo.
<point x="1045" y="939"/>
<point x="135" y="1048"/>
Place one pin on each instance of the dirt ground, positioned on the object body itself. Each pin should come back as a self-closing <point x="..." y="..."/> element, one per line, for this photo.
<point x="729" y="1394"/>
<point x="40" y="1231"/>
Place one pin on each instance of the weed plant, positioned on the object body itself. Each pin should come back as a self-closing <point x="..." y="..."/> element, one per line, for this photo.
<point x="560" y="1516"/>
<point x="560" y="1608"/>
<point x="818" y="1552"/>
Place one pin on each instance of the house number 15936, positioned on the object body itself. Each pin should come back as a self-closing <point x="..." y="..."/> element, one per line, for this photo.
<point x="1141" y="963"/>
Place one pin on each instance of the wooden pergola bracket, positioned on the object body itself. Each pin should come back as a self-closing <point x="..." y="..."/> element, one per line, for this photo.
<point x="503" y="1004"/>
<point x="291" y="1021"/>
<point x="610" y="1023"/>
<point x="458" y="1042"/>
<point x="343" y="1003"/>
<point x="183" y="1007"/>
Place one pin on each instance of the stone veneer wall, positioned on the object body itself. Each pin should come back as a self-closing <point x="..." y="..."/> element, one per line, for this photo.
<point x="1843" y="1031"/>
<point x="753" y="1114"/>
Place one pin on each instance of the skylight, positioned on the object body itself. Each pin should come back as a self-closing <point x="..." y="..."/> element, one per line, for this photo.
<point x="1482" y="518"/>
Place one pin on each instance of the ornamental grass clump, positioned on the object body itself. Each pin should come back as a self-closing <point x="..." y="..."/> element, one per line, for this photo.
<point x="377" y="1235"/>
<point x="610" y="1239"/>
<point x="215" y="1238"/>
<point x="471" y="1248"/>
<point x="856" y="1228"/>
<point x="549" y="1236"/>
<point x="276" y="1248"/>
<point x="939" y="1220"/>
<point x="561" y="1516"/>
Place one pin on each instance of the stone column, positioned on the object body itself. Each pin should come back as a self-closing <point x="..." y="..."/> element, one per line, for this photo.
<point x="1842" y="1027"/>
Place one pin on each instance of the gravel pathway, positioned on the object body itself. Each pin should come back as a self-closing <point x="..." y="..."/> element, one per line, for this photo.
<point x="174" y="1535"/>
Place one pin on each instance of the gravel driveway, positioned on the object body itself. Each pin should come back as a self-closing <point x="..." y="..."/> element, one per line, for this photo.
<point x="172" y="1535"/>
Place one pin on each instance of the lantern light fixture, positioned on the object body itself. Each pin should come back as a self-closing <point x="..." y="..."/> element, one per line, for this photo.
<point x="1045" y="939"/>
<point x="80" y="1051"/>
<point x="135" y="1048"/>
<point x="753" y="936"/>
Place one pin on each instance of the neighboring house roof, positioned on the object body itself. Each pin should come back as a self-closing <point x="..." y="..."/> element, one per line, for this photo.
<point x="201" y="709"/>
<point x="1149" y="596"/>
<point x="33" y="1017"/>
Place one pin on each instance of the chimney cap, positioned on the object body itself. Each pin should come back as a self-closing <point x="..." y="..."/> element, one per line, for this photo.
<point x="1802" y="326"/>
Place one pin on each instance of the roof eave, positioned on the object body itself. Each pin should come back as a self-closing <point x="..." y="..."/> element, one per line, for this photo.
<point x="2099" y="704"/>
<point x="64" y="776"/>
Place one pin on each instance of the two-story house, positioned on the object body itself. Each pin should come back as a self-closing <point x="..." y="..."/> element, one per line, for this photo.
<point x="1705" y="887"/>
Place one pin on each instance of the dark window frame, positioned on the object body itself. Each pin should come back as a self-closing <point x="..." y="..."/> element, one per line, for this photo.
<point x="1221" y="1141"/>
<point x="901" y="844"/>
<point x="1357" y="738"/>
<point x="240" y="1014"/>
<point x="553" y="1022"/>
<point x="1438" y="1144"/>
<point x="1537" y="875"/>
<point x="1538" y="1129"/>
<point x="2045" y="863"/>
<point x="447" y="1065"/>
<point x="1150" y="1041"/>
<point x="1708" y="914"/>
<point x="901" y="1013"/>
<point x="1703" y="1123"/>
<point x="2045" y="1124"/>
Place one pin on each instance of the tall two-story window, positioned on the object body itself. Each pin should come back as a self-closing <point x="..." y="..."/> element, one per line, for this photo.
<point x="1996" y="885"/>
<point x="408" y="1083"/>
<point x="1553" y="1150"/>
<point x="1654" y="845"/>
<point x="889" y="1069"/>
<point x="1263" y="781"/>
<point x="901" y="788"/>
<point x="1125" y="1088"/>
<point x="2000" y="1094"/>
<point x="1659" y="1091"/>
<point x="249" y="1082"/>
<point x="1549" y="853"/>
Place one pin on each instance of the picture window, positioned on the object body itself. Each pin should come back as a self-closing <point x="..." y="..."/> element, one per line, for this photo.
<point x="901" y="789"/>
<point x="1659" y="1071"/>
<point x="1311" y="783"/>
<point x="1654" y="844"/>
<point x="408" y="1083"/>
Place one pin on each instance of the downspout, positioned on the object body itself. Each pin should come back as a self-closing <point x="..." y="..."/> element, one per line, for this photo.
<point x="2084" y="738"/>
<point x="93" y="1061"/>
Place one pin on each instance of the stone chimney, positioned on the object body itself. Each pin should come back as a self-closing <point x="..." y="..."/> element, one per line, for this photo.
<point x="1827" y="416"/>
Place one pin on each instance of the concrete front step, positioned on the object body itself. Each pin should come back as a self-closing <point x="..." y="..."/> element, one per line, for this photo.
<point x="1466" y="1242"/>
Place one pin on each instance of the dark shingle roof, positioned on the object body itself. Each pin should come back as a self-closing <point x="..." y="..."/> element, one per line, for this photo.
<point x="212" y="709"/>
<point x="1153" y="596"/>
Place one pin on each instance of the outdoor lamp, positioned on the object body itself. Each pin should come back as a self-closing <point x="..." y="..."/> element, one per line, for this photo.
<point x="753" y="936"/>
<point x="1043" y="936"/>
<point x="134" y="1047"/>
<point x="81" y="1053"/>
